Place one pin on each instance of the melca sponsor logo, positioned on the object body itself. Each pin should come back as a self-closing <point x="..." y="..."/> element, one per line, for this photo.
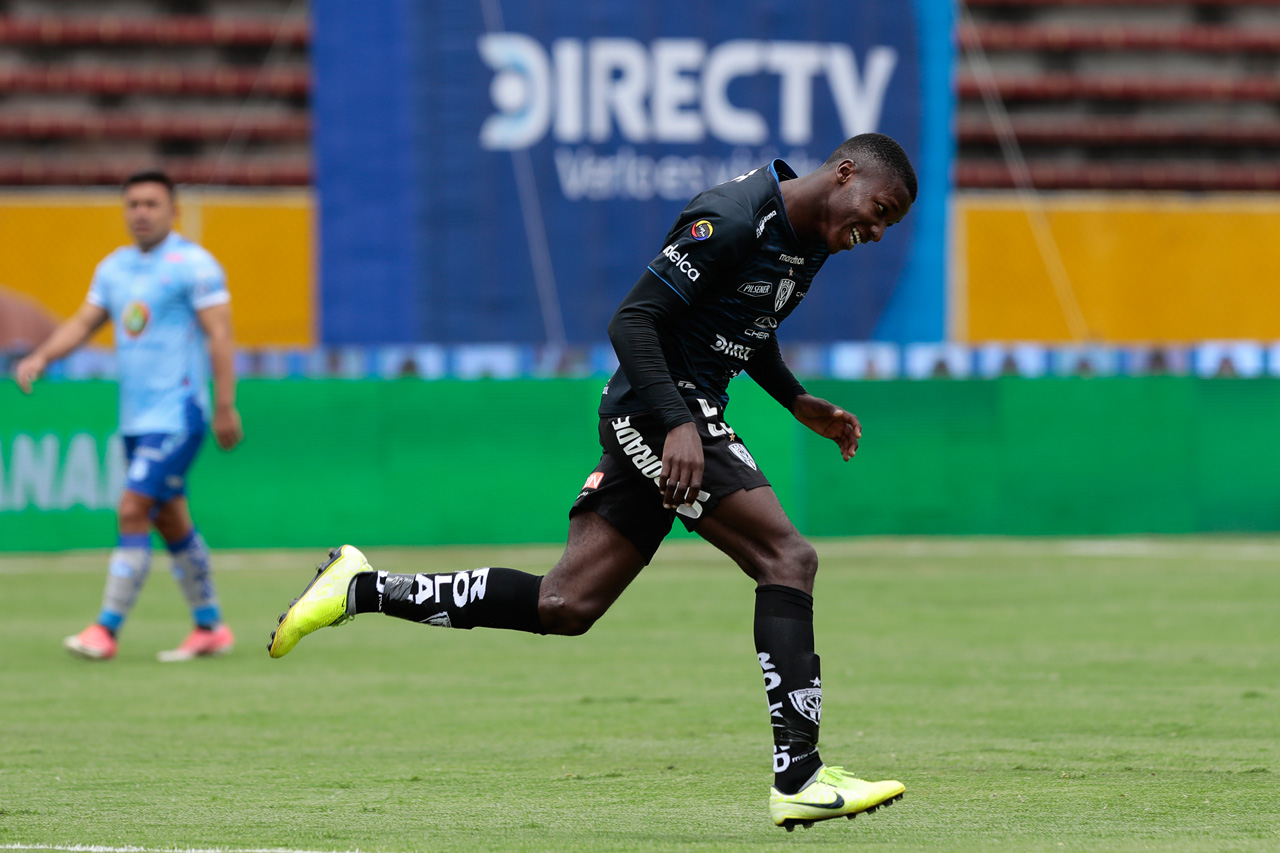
<point x="681" y="262"/>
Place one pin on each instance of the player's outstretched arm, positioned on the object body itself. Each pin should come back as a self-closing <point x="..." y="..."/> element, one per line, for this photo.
<point x="830" y="421"/>
<point x="69" y="335"/>
<point x="216" y="323"/>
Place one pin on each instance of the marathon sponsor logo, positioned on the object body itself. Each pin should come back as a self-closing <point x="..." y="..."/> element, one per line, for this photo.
<point x="701" y="230"/>
<point x="766" y="322"/>
<point x="765" y="221"/>
<point x="682" y="262"/>
<point x="738" y="351"/>
<point x="649" y="463"/>
<point x="785" y="287"/>
<point x="756" y="288"/>
<point x="791" y="259"/>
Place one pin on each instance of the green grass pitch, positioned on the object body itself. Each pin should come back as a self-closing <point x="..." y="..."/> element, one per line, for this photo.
<point x="1044" y="695"/>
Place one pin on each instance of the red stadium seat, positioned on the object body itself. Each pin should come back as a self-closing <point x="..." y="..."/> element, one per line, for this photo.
<point x="124" y="126"/>
<point x="169" y="80"/>
<point x="1059" y="38"/>
<point x="176" y="31"/>
<point x="1135" y="175"/>
<point x="43" y="172"/>
<point x="1122" y="131"/>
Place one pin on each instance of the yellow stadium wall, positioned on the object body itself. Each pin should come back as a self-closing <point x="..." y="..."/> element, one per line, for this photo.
<point x="50" y="243"/>
<point x="1143" y="269"/>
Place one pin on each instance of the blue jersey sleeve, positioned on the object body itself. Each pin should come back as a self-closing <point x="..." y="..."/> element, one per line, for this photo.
<point x="99" y="288"/>
<point x="208" y="282"/>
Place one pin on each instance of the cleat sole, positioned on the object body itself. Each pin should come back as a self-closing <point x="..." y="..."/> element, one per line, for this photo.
<point x="790" y="824"/>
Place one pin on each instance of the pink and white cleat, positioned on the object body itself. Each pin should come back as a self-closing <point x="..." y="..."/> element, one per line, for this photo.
<point x="201" y="642"/>
<point x="93" y="643"/>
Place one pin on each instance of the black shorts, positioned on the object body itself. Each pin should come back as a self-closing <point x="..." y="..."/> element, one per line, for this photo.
<point x="623" y="488"/>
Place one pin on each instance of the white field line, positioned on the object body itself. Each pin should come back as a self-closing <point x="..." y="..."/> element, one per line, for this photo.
<point x="97" y="848"/>
<point x="535" y="557"/>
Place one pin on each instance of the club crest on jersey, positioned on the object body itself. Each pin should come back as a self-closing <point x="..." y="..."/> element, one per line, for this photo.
<point x="785" y="288"/>
<point x="701" y="230"/>
<point x="135" y="318"/>
<point x="756" y="288"/>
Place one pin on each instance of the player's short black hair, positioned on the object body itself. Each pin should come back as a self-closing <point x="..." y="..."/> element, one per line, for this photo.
<point x="149" y="176"/>
<point x="883" y="150"/>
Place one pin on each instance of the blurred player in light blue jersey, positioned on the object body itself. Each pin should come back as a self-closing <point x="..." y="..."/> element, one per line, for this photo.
<point x="168" y="301"/>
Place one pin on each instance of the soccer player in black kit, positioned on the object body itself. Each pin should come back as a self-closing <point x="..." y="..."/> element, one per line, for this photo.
<point x="739" y="259"/>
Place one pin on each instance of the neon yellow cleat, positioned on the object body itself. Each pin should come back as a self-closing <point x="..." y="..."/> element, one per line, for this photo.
<point x="834" y="793"/>
<point x="323" y="603"/>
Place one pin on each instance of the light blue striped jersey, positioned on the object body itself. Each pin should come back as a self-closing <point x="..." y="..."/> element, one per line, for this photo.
<point x="162" y="356"/>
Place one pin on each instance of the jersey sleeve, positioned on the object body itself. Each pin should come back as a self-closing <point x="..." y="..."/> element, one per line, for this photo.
<point x="771" y="373"/>
<point x="208" y="282"/>
<point x="711" y="238"/>
<point x="634" y="334"/>
<point x="98" y="287"/>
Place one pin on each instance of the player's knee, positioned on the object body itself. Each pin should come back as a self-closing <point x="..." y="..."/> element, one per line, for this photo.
<point x="793" y="564"/>
<point x="133" y="514"/>
<point x="566" y="618"/>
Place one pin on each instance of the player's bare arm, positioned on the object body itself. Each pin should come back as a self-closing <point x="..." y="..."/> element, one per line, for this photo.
<point x="829" y="421"/>
<point x="216" y="323"/>
<point x="66" y="338"/>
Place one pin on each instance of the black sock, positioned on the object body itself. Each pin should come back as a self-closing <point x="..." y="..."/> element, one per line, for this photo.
<point x="480" y="598"/>
<point x="792" y="681"/>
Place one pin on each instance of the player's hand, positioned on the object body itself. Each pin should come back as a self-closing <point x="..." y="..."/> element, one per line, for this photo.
<point x="829" y="421"/>
<point x="227" y="429"/>
<point x="29" y="370"/>
<point x="682" y="466"/>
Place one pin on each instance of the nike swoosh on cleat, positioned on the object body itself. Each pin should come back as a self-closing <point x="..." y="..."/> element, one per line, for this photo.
<point x="837" y="803"/>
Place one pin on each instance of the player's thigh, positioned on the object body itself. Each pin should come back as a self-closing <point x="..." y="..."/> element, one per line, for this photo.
<point x="751" y="526"/>
<point x="598" y="564"/>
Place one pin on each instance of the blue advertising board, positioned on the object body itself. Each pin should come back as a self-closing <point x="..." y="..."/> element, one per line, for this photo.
<point x="504" y="172"/>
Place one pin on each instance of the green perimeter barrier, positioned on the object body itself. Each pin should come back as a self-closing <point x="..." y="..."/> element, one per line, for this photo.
<point x="421" y="463"/>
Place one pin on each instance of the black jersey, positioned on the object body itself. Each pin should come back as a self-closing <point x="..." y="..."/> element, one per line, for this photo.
<point x="733" y="270"/>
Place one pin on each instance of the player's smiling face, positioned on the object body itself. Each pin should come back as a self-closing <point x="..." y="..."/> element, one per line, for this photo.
<point x="863" y="204"/>
<point x="149" y="212"/>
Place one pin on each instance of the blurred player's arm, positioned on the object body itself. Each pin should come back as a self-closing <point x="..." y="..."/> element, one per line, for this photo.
<point x="68" y="336"/>
<point x="216" y="323"/>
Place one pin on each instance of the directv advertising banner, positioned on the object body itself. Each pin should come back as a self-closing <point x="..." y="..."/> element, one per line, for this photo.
<point x="500" y="171"/>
